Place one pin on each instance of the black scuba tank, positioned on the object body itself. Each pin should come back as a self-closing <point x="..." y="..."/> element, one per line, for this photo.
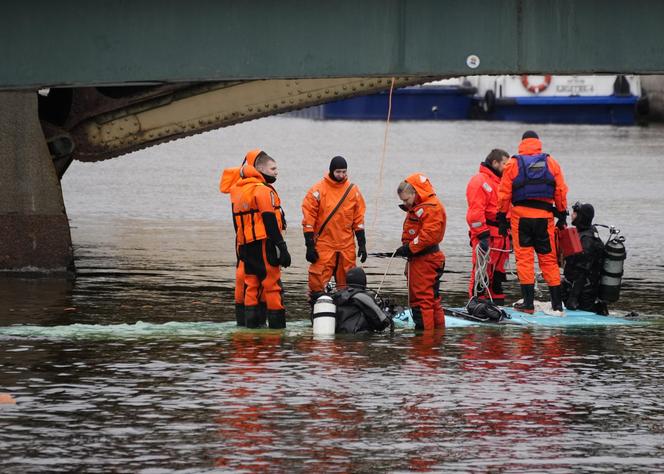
<point x="612" y="269"/>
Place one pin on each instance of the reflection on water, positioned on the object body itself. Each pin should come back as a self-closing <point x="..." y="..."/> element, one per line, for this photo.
<point x="136" y="365"/>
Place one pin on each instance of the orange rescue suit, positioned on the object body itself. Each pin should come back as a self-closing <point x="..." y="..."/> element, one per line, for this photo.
<point x="229" y="178"/>
<point x="482" y="198"/>
<point x="336" y="244"/>
<point x="533" y="228"/>
<point x="423" y="231"/>
<point x="251" y="197"/>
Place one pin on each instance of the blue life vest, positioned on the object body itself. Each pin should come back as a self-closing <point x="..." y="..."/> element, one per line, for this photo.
<point x="534" y="180"/>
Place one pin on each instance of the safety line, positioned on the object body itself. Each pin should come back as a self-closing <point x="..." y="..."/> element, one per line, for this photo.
<point x="379" y="190"/>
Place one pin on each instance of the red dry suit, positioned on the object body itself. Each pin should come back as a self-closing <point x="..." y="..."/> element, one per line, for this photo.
<point x="482" y="198"/>
<point x="423" y="231"/>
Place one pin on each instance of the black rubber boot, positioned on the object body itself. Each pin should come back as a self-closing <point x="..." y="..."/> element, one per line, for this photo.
<point x="239" y="314"/>
<point x="253" y="317"/>
<point x="528" y="294"/>
<point x="556" y="298"/>
<point x="417" y="318"/>
<point x="276" y="318"/>
<point x="262" y="314"/>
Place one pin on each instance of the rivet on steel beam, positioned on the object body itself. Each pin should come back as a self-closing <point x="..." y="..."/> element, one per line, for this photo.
<point x="217" y="117"/>
<point x="309" y="94"/>
<point x="251" y="109"/>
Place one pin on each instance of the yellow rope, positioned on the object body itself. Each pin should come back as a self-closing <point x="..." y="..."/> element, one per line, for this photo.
<point x="379" y="190"/>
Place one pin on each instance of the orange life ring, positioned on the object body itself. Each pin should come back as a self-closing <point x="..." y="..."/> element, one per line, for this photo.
<point x="536" y="88"/>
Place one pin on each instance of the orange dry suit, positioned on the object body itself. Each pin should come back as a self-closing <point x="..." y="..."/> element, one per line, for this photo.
<point x="423" y="231"/>
<point x="335" y="242"/>
<point x="229" y="178"/>
<point x="482" y="197"/>
<point x="259" y="221"/>
<point x="533" y="202"/>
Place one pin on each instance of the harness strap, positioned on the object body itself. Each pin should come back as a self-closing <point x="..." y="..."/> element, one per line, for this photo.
<point x="334" y="211"/>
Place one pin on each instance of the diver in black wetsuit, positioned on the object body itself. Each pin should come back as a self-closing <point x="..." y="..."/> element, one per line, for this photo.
<point x="582" y="271"/>
<point x="358" y="309"/>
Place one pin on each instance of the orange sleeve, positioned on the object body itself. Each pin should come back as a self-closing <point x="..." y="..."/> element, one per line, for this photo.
<point x="560" y="196"/>
<point x="432" y="230"/>
<point x="265" y="199"/>
<point x="358" y="212"/>
<point x="505" y="190"/>
<point x="477" y="199"/>
<point x="310" y="206"/>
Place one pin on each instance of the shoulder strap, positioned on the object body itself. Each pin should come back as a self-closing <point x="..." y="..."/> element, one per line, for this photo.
<point x="336" y="208"/>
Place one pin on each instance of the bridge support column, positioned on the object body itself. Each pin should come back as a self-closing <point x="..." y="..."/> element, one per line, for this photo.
<point x="34" y="229"/>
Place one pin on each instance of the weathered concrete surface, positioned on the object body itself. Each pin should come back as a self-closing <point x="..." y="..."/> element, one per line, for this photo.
<point x="654" y="89"/>
<point x="34" y="229"/>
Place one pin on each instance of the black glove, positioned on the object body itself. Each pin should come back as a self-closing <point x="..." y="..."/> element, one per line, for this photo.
<point x="361" y="245"/>
<point x="562" y="219"/>
<point x="284" y="256"/>
<point x="403" y="251"/>
<point x="484" y="241"/>
<point x="503" y="225"/>
<point x="312" y="254"/>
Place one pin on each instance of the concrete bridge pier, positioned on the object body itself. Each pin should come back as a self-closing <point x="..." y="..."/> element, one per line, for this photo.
<point x="34" y="229"/>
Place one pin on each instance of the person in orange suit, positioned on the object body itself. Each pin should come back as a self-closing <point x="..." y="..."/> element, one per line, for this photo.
<point x="423" y="231"/>
<point x="332" y="211"/>
<point x="229" y="179"/>
<point x="259" y="220"/>
<point x="482" y="197"/>
<point x="534" y="185"/>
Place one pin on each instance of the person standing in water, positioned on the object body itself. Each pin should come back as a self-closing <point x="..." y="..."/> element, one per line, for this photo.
<point x="482" y="198"/>
<point x="423" y="232"/>
<point x="332" y="218"/>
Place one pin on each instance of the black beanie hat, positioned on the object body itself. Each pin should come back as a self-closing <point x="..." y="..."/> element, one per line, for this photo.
<point x="356" y="278"/>
<point x="529" y="134"/>
<point x="338" y="163"/>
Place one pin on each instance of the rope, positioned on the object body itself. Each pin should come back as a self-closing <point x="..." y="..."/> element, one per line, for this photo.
<point x="389" y="262"/>
<point x="379" y="190"/>
<point x="482" y="280"/>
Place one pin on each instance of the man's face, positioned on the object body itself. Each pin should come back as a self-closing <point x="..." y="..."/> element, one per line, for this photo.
<point x="269" y="168"/>
<point x="407" y="199"/>
<point x="340" y="175"/>
<point x="573" y="216"/>
<point x="499" y="165"/>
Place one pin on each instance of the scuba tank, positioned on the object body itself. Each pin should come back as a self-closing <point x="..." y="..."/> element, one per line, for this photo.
<point x="612" y="267"/>
<point x="324" y="316"/>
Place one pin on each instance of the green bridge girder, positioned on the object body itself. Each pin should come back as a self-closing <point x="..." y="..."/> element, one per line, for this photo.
<point x="80" y="42"/>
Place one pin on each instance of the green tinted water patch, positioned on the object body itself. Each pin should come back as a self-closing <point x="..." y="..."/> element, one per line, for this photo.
<point x="172" y="329"/>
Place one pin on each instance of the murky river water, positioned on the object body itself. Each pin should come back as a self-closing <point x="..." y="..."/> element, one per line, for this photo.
<point x="136" y="366"/>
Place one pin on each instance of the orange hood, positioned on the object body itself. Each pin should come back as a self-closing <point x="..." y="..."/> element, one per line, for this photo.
<point x="231" y="176"/>
<point x="530" y="146"/>
<point x="422" y="185"/>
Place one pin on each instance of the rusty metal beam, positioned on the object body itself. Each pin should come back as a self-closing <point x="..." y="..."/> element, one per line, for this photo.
<point x="195" y="109"/>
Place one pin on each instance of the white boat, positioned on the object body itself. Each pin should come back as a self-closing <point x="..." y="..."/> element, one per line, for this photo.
<point x="597" y="99"/>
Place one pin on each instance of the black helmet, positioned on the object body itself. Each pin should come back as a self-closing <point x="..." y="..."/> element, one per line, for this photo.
<point x="356" y="278"/>
<point x="585" y="213"/>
